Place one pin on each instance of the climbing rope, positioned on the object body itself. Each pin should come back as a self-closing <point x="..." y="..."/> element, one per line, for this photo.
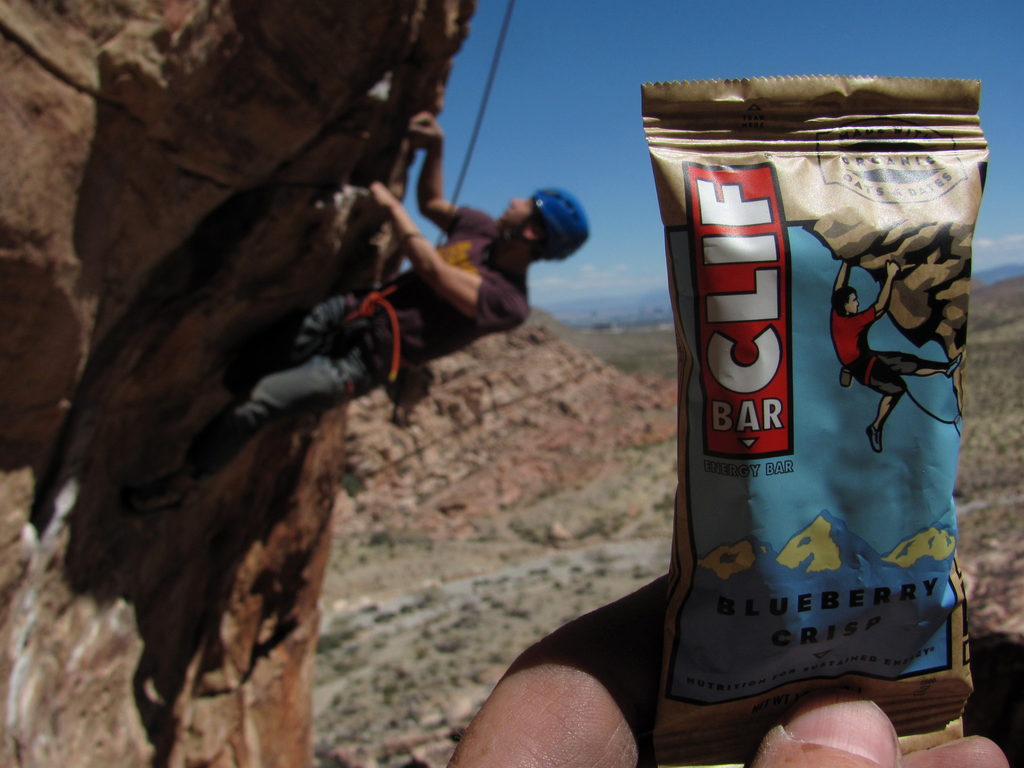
<point x="483" y="101"/>
<point x="955" y="422"/>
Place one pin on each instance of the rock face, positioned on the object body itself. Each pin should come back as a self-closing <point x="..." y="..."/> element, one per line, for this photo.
<point x="173" y="183"/>
<point x="507" y="420"/>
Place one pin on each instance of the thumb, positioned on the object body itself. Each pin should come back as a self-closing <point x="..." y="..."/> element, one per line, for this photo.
<point x="834" y="730"/>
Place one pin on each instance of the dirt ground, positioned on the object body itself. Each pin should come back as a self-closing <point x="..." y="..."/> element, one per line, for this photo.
<point x="404" y="664"/>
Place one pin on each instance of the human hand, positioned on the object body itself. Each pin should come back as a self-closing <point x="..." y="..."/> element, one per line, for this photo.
<point x="839" y="730"/>
<point x="424" y="130"/>
<point x="891" y="269"/>
<point x="585" y="696"/>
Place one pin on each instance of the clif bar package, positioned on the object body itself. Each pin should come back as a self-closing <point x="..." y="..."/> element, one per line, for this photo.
<point x="818" y="237"/>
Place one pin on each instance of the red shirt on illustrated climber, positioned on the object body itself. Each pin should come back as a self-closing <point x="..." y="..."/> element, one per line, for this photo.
<point x="473" y="285"/>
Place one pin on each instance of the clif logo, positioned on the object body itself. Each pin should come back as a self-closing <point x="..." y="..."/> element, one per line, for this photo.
<point x="741" y="283"/>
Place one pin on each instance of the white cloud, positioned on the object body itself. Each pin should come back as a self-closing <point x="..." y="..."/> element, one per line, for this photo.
<point x="994" y="252"/>
<point x="590" y="280"/>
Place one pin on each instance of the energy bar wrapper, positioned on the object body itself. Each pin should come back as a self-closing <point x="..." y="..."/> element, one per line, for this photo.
<point x="818" y="239"/>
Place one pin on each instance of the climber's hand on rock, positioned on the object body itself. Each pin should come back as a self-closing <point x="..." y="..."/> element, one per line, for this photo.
<point x="424" y="130"/>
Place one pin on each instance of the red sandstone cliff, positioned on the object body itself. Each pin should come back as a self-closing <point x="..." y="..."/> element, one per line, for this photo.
<point x="167" y="189"/>
<point x="510" y="419"/>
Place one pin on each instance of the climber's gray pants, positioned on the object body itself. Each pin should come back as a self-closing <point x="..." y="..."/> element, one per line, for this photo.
<point x="316" y="385"/>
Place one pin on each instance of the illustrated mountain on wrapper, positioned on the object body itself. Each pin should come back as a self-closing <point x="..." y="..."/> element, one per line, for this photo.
<point x="826" y="571"/>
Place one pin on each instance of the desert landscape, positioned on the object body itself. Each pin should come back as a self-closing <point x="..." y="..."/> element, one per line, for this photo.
<point x="440" y="576"/>
<point x="183" y="180"/>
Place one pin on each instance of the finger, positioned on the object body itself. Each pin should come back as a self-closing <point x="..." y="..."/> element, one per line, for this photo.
<point x="972" y="752"/>
<point x="833" y="730"/>
<point x="580" y="697"/>
<point x="619" y="645"/>
<point x="380" y="192"/>
<point x="548" y="715"/>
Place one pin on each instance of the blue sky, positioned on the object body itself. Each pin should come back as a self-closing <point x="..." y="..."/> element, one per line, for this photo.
<point x="565" y="108"/>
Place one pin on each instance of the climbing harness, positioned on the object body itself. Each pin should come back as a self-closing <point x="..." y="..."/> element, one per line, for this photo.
<point x="369" y="305"/>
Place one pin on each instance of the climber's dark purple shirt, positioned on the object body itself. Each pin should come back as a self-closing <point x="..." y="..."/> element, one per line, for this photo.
<point x="430" y="326"/>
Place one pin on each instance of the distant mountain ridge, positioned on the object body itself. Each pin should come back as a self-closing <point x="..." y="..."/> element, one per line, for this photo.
<point x="999" y="274"/>
<point x="646" y="308"/>
<point x="654" y="307"/>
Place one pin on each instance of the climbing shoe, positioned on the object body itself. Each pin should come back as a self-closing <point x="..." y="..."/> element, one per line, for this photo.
<point x="954" y="364"/>
<point x="875" y="438"/>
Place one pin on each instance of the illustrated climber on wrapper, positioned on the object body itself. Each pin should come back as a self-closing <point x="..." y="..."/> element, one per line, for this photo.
<point x="880" y="371"/>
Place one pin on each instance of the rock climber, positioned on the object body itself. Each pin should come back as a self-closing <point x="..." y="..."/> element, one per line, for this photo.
<point x="881" y="371"/>
<point x="473" y="285"/>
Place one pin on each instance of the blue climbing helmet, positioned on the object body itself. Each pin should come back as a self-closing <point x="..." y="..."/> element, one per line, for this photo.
<point x="565" y="221"/>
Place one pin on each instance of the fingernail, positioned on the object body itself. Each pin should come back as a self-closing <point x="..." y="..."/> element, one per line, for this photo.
<point x="855" y="726"/>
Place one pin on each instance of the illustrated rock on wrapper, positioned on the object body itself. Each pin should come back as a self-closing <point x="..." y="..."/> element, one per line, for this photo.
<point x="818" y="238"/>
